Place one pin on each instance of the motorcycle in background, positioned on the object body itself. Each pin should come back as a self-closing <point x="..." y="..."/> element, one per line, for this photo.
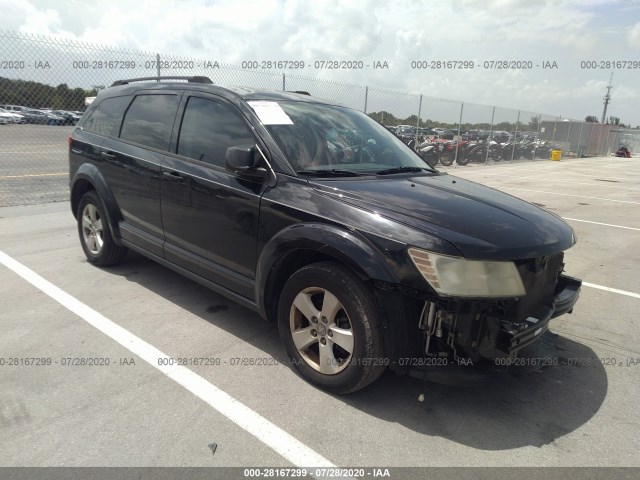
<point x="448" y="153"/>
<point x="477" y="152"/>
<point x="623" y="152"/>
<point x="428" y="150"/>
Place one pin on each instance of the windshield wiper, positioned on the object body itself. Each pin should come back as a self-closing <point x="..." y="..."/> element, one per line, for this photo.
<point x="329" y="173"/>
<point x="390" y="171"/>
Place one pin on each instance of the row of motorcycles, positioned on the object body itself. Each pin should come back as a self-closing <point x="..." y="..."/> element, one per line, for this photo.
<point x="434" y="151"/>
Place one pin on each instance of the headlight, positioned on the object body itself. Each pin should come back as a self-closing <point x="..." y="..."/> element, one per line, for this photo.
<point x="459" y="277"/>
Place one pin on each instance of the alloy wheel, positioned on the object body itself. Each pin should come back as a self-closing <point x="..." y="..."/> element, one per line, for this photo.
<point x="92" y="229"/>
<point x="321" y="330"/>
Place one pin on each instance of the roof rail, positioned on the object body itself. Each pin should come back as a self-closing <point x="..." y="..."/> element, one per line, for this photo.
<point x="195" y="79"/>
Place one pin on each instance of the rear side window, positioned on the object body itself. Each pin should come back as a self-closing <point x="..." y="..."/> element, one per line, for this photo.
<point x="208" y="129"/>
<point x="149" y="120"/>
<point x="106" y="118"/>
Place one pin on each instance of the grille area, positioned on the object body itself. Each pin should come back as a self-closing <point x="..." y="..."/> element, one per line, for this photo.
<point x="539" y="276"/>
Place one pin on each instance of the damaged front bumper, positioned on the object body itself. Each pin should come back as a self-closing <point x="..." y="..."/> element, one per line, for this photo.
<point x="486" y="337"/>
<point x="565" y="297"/>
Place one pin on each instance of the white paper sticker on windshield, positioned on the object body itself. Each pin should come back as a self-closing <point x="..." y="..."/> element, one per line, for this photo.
<point x="270" y="113"/>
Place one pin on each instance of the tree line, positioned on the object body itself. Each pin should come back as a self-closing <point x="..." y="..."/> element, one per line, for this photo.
<point x="39" y="95"/>
<point x="387" y="118"/>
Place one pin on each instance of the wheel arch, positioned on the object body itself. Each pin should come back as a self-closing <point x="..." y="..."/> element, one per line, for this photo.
<point x="304" y="244"/>
<point x="87" y="178"/>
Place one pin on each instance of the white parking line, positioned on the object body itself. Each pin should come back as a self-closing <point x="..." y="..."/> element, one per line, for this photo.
<point x="43" y="152"/>
<point x="35" y="175"/>
<point x="274" y="437"/>
<point x="556" y="180"/>
<point x="502" y="187"/>
<point x="599" y="223"/>
<point x="614" y="290"/>
<point x="602" y="174"/>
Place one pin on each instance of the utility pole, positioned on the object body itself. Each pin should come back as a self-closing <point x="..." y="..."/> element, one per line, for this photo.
<point x="607" y="98"/>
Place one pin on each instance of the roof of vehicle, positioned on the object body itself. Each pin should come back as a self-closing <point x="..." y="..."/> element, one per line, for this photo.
<point x="245" y="93"/>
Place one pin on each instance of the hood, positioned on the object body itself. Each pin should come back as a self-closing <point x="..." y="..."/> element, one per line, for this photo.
<point x="479" y="221"/>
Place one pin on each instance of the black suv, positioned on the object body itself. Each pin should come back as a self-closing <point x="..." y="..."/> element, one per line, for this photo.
<point x="321" y="220"/>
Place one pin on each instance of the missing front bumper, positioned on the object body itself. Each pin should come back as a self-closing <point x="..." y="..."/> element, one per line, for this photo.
<point x="566" y="295"/>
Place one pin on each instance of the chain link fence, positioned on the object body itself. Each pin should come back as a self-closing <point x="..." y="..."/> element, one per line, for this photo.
<point x="46" y="83"/>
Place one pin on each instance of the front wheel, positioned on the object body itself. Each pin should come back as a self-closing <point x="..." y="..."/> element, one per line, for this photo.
<point x="330" y="328"/>
<point x="446" y="159"/>
<point x="95" y="234"/>
<point x="431" y="160"/>
<point x="463" y="160"/>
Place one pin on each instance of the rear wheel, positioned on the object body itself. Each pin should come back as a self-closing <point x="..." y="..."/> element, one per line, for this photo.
<point x="329" y="326"/>
<point x="95" y="234"/>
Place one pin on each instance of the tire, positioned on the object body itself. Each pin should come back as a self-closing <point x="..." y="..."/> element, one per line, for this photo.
<point x="463" y="160"/>
<point x="429" y="159"/>
<point x="446" y="159"/>
<point x="95" y="234"/>
<point x="338" y="367"/>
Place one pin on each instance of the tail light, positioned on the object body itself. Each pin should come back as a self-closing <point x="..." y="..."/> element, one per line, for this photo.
<point x="69" y="141"/>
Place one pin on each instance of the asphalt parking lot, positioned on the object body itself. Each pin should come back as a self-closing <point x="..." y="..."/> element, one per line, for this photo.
<point x="582" y="412"/>
<point x="34" y="165"/>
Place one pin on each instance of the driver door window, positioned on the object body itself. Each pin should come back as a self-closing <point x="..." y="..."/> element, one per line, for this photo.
<point x="208" y="129"/>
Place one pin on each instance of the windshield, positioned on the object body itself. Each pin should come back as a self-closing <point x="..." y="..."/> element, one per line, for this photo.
<point x="326" y="137"/>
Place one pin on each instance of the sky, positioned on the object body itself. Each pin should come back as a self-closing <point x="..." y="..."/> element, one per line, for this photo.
<point x="561" y="34"/>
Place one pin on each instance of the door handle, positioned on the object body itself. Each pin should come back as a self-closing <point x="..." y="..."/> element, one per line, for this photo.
<point x="108" y="154"/>
<point x="173" y="176"/>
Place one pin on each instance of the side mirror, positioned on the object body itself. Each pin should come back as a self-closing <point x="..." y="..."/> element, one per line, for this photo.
<point x="243" y="162"/>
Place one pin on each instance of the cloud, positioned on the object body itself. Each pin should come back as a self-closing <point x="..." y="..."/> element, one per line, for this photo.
<point x="399" y="32"/>
<point x="633" y="36"/>
<point x="25" y="17"/>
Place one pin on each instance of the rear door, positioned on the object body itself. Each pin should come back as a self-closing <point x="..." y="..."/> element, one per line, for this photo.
<point x="132" y="164"/>
<point x="103" y="120"/>
<point x="210" y="216"/>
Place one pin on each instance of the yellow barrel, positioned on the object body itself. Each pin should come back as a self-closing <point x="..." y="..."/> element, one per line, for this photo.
<point x="556" y="155"/>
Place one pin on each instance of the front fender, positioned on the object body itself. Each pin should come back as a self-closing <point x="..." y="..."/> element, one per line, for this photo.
<point x="88" y="172"/>
<point x="344" y="245"/>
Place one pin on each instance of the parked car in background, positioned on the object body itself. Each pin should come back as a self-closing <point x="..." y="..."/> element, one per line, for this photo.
<point x="427" y="132"/>
<point x="470" y="135"/>
<point x="405" y="132"/>
<point x="70" y="118"/>
<point x="44" y="118"/>
<point x="15" y="117"/>
<point x="445" y="134"/>
<point x="501" y="136"/>
<point x="5" y="119"/>
<point x="475" y="135"/>
<point x="14" y="108"/>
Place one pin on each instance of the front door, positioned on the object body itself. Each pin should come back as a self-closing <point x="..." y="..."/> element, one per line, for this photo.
<point x="209" y="215"/>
